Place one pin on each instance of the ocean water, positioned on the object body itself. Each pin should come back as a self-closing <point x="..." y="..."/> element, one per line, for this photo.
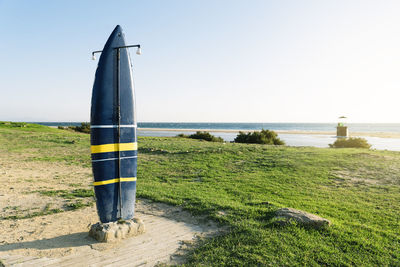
<point x="315" y="140"/>
<point x="355" y="127"/>
<point x="318" y="127"/>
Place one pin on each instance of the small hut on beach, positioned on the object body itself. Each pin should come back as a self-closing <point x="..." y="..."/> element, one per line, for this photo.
<point x="341" y="129"/>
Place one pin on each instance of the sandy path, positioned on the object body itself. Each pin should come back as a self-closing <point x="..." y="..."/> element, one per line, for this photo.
<point x="53" y="240"/>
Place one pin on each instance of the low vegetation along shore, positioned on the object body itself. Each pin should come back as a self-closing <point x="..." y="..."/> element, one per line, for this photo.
<point x="239" y="186"/>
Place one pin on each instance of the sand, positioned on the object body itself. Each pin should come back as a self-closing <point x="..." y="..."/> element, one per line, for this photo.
<point x="61" y="239"/>
<point x="331" y="133"/>
<point x="21" y="180"/>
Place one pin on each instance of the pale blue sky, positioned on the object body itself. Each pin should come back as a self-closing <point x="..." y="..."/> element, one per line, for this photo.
<point x="207" y="61"/>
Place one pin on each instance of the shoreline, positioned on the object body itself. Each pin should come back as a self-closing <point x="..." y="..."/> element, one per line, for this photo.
<point x="331" y="133"/>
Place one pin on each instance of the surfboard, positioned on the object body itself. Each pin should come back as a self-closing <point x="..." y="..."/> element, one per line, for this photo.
<point x="113" y="132"/>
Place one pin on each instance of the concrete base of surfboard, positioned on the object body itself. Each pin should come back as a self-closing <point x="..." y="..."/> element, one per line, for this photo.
<point x="115" y="231"/>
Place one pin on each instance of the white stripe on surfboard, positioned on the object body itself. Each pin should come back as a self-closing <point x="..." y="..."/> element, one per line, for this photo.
<point x="114" y="126"/>
<point x="97" y="160"/>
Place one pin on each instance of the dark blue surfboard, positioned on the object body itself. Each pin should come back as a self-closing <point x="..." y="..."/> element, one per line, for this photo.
<point x="113" y="132"/>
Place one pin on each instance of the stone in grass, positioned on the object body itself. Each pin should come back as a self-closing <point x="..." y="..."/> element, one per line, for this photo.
<point x="114" y="231"/>
<point x="283" y="216"/>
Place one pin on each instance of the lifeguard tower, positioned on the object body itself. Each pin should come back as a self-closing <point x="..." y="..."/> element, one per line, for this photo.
<point x="341" y="129"/>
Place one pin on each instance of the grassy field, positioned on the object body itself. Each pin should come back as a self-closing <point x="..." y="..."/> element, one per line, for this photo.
<point x="240" y="186"/>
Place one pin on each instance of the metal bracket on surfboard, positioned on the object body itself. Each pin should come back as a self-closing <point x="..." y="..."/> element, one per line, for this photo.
<point x="138" y="52"/>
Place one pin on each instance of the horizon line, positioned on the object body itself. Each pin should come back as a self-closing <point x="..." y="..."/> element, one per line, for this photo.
<point x="292" y="122"/>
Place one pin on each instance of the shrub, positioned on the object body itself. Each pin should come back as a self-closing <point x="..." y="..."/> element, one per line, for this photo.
<point x="84" y="128"/>
<point x="264" y="137"/>
<point x="181" y="135"/>
<point x="61" y="127"/>
<point x="18" y="124"/>
<point x="350" y="142"/>
<point x="206" y="136"/>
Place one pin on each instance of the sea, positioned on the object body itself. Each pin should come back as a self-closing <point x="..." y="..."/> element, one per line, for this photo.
<point x="291" y="139"/>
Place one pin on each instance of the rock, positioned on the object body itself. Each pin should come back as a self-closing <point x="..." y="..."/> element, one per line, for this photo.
<point x="283" y="216"/>
<point x="114" y="231"/>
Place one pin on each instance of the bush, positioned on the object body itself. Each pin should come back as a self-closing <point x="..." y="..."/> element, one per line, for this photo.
<point x="350" y="142"/>
<point x="206" y="136"/>
<point x="264" y="137"/>
<point x="84" y="128"/>
<point x="61" y="127"/>
<point x="181" y="135"/>
<point x="18" y="124"/>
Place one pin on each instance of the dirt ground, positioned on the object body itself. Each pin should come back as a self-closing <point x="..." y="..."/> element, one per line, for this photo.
<point x="62" y="235"/>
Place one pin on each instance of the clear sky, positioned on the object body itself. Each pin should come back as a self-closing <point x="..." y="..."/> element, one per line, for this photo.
<point x="208" y="60"/>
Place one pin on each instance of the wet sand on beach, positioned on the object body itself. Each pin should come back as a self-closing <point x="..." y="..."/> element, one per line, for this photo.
<point x="331" y="133"/>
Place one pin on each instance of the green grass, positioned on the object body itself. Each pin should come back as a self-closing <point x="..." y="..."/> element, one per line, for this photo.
<point x="77" y="193"/>
<point x="41" y="143"/>
<point x="74" y="198"/>
<point x="238" y="179"/>
<point x="46" y="211"/>
<point x="358" y="190"/>
<point x="78" y="205"/>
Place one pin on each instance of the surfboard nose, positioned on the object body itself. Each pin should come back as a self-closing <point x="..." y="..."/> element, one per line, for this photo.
<point x="117" y="29"/>
<point x="116" y="39"/>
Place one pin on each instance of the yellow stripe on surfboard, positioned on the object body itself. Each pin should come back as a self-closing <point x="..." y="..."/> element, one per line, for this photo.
<point x="116" y="180"/>
<point x="113" y="147"/>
